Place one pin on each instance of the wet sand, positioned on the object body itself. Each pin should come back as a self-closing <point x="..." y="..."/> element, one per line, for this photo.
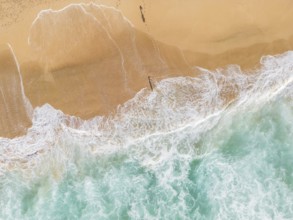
<point x="86" y="61"/>
<point x="14" y="109"/>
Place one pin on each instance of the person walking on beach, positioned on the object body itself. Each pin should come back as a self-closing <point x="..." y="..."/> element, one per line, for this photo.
<point x="141" y="12"/>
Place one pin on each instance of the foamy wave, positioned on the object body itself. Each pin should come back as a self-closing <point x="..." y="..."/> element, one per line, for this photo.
<point x="178" y="107"/>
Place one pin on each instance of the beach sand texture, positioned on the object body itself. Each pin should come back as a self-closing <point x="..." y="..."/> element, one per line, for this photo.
<point x="87" y="59"/>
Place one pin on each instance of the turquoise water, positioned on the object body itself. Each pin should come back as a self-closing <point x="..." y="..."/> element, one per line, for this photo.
<point x="180" y="152"/>
<point x="248" y="175"/>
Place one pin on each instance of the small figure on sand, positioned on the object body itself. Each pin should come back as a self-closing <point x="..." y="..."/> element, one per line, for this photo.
<point x="141" y="12"/>
<point x="150" y="82"/>
<point x="118" y="4"/>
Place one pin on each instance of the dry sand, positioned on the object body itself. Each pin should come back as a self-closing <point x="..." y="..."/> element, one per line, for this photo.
<point x="86" y="61"/>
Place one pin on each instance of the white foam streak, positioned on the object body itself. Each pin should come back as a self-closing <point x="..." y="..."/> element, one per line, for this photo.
<point x="28" y="105"/>
<point x="177" y="108"/>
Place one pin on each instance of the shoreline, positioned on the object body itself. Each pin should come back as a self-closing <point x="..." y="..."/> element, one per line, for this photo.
<point x="99" y="74"/>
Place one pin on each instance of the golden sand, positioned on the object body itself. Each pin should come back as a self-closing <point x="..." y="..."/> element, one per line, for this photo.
<point x="14" y="109"/>
<point x="87" y="60"/>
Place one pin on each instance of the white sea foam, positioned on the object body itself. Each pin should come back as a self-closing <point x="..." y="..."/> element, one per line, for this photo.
<point x="178" y="107"/>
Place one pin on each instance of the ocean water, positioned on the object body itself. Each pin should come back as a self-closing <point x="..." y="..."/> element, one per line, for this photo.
<point x="217" y="146"/>
<point x="182" y="151"/>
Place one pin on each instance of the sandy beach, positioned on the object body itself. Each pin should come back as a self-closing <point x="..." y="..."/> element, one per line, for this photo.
<point x="87" y="59"/>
